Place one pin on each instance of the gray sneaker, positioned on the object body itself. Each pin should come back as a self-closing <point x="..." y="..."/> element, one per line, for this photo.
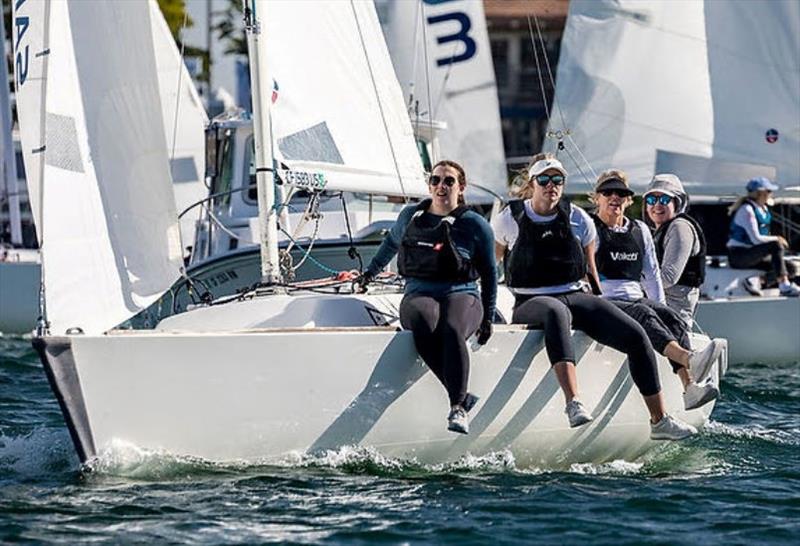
<point x="696" y="395"/>
<point x="457" y="421"/>
<point x="790" y="291"/>
<point x="669" y="428"/>
<point x="702" y="362"/>
<point x="753" y="285"/>
<point x="577" y="413"/>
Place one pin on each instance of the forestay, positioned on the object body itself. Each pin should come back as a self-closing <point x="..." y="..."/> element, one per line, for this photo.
<point x="443" y="47"/>
<point x="337" y="110"/>
<point x="184" y="133"/>
<point x="93" y="138"/>
<point x="707" y="90"/>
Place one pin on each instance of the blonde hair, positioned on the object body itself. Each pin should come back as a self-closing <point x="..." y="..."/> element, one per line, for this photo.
<point x="521" y="187"/>
<point x="741" y="201"/>
<point x="617" y="174"/>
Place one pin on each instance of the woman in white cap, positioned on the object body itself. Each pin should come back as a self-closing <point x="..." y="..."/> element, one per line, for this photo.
<point x="630" y="278"/>
<point x="680" y="243"/>
<point x="750" y="245"/>
<point x="548" y="245"/>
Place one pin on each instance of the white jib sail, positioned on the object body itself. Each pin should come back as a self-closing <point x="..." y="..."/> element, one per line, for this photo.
<point x="103" y="196"/>
<point x="459" y="72"/>
<point x="694" y="88"/>
<point x="185" y="132"/>
<point x="337" y="109"/>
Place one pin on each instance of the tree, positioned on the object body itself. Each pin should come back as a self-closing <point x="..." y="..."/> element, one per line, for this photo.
<point x="177" y="18"/>
<point x="229" y="28"/>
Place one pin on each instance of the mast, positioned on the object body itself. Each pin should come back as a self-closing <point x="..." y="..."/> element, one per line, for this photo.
<point x="262" y="132"/>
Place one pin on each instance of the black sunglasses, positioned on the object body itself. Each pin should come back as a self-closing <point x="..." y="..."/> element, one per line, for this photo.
<point x="652" y="199"/>
<point x="448" y="181"/>
<point x="545" y="179"/>
<point x="615" y="191"/>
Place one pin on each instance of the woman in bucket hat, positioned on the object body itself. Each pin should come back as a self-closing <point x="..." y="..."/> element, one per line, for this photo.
<point x="750" y="245"/>
<point x="680" y="243"/>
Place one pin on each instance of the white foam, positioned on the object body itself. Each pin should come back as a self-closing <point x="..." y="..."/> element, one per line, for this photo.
<point x="618" y="467"/>
<point x="757" y="432"/>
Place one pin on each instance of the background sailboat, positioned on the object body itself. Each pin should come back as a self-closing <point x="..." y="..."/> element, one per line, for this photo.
<point x="183" y="120"/>
<point x="708" y="91"/>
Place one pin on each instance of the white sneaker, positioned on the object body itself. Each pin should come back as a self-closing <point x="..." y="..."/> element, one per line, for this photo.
<point x="669" y="428"/>
<point x="699" y="395"/>
<point x="790" y="290"/>
<point x="577" y="413"/>
<point x="702" y="362"/>
<point x="457" y="421"/>
<point x="753" y="285"/>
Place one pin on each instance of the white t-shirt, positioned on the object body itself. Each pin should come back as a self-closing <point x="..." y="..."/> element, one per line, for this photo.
<point x="506" y="232"/>
<point x="625" y="290"/>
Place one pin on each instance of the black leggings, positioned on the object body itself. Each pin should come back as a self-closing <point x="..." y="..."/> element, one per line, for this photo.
<point x="598" y="318"/>
<point x="662" y="324"/>
<point x="766" y="256"/>
<point x="440" y="327"/>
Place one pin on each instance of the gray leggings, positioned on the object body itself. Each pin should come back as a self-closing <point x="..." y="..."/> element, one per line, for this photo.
<point x="441" y="326"/>
<point x="598" y="318"/>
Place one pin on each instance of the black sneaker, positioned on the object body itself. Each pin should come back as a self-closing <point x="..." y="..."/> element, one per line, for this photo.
<point x="469" y="402"/>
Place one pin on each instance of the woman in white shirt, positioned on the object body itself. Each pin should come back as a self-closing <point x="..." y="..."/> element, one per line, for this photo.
<point x="750" y="244"/>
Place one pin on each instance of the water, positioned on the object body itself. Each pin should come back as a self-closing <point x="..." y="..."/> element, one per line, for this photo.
<point x="738" y="483"/>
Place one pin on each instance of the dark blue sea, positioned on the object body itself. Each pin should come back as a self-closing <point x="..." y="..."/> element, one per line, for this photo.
<point x="737" y="483"/>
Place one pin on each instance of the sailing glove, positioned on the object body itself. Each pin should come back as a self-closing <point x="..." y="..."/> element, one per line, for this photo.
<point x="484" y="332"/>
<point x="363" y="280"/>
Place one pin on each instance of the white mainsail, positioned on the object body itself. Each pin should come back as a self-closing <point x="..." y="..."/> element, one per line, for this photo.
<point x="184" y="132"/>
<point x="93" y="139"/>
<point x="443" y="47"/>
<point x="707" y="90"/>
<point x="342" y="115"/>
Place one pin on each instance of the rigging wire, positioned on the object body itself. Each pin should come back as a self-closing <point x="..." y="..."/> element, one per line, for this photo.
<point x="559" y="135"/>
<point x="434" y="151"/>
<point x="378" y="98"/>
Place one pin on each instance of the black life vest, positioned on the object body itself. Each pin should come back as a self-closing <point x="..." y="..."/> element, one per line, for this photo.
<point x="694" y="273"/>
<point x="430" y="253"/>
<point x="621" y="254"/>
<point x="545" y="253"/>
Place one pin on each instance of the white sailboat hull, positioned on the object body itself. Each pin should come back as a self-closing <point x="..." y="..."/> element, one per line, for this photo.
<point x="262" y="394"/>
<point x="758" y="329"/>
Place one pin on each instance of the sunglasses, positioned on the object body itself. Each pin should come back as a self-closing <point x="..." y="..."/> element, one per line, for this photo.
<point x="545" y="179"/>
<point x="664" y="199"/>
<point x="448" y="181"/>
<point x="618" y="193"/>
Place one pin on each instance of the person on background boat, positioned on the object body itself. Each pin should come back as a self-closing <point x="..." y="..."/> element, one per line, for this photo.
<point x="750" y="245"/>
<point x="630" y="278"/>
<point x="548" y="244"/>
<point x="680" y="244"/>
<point x="443" y="249"/>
